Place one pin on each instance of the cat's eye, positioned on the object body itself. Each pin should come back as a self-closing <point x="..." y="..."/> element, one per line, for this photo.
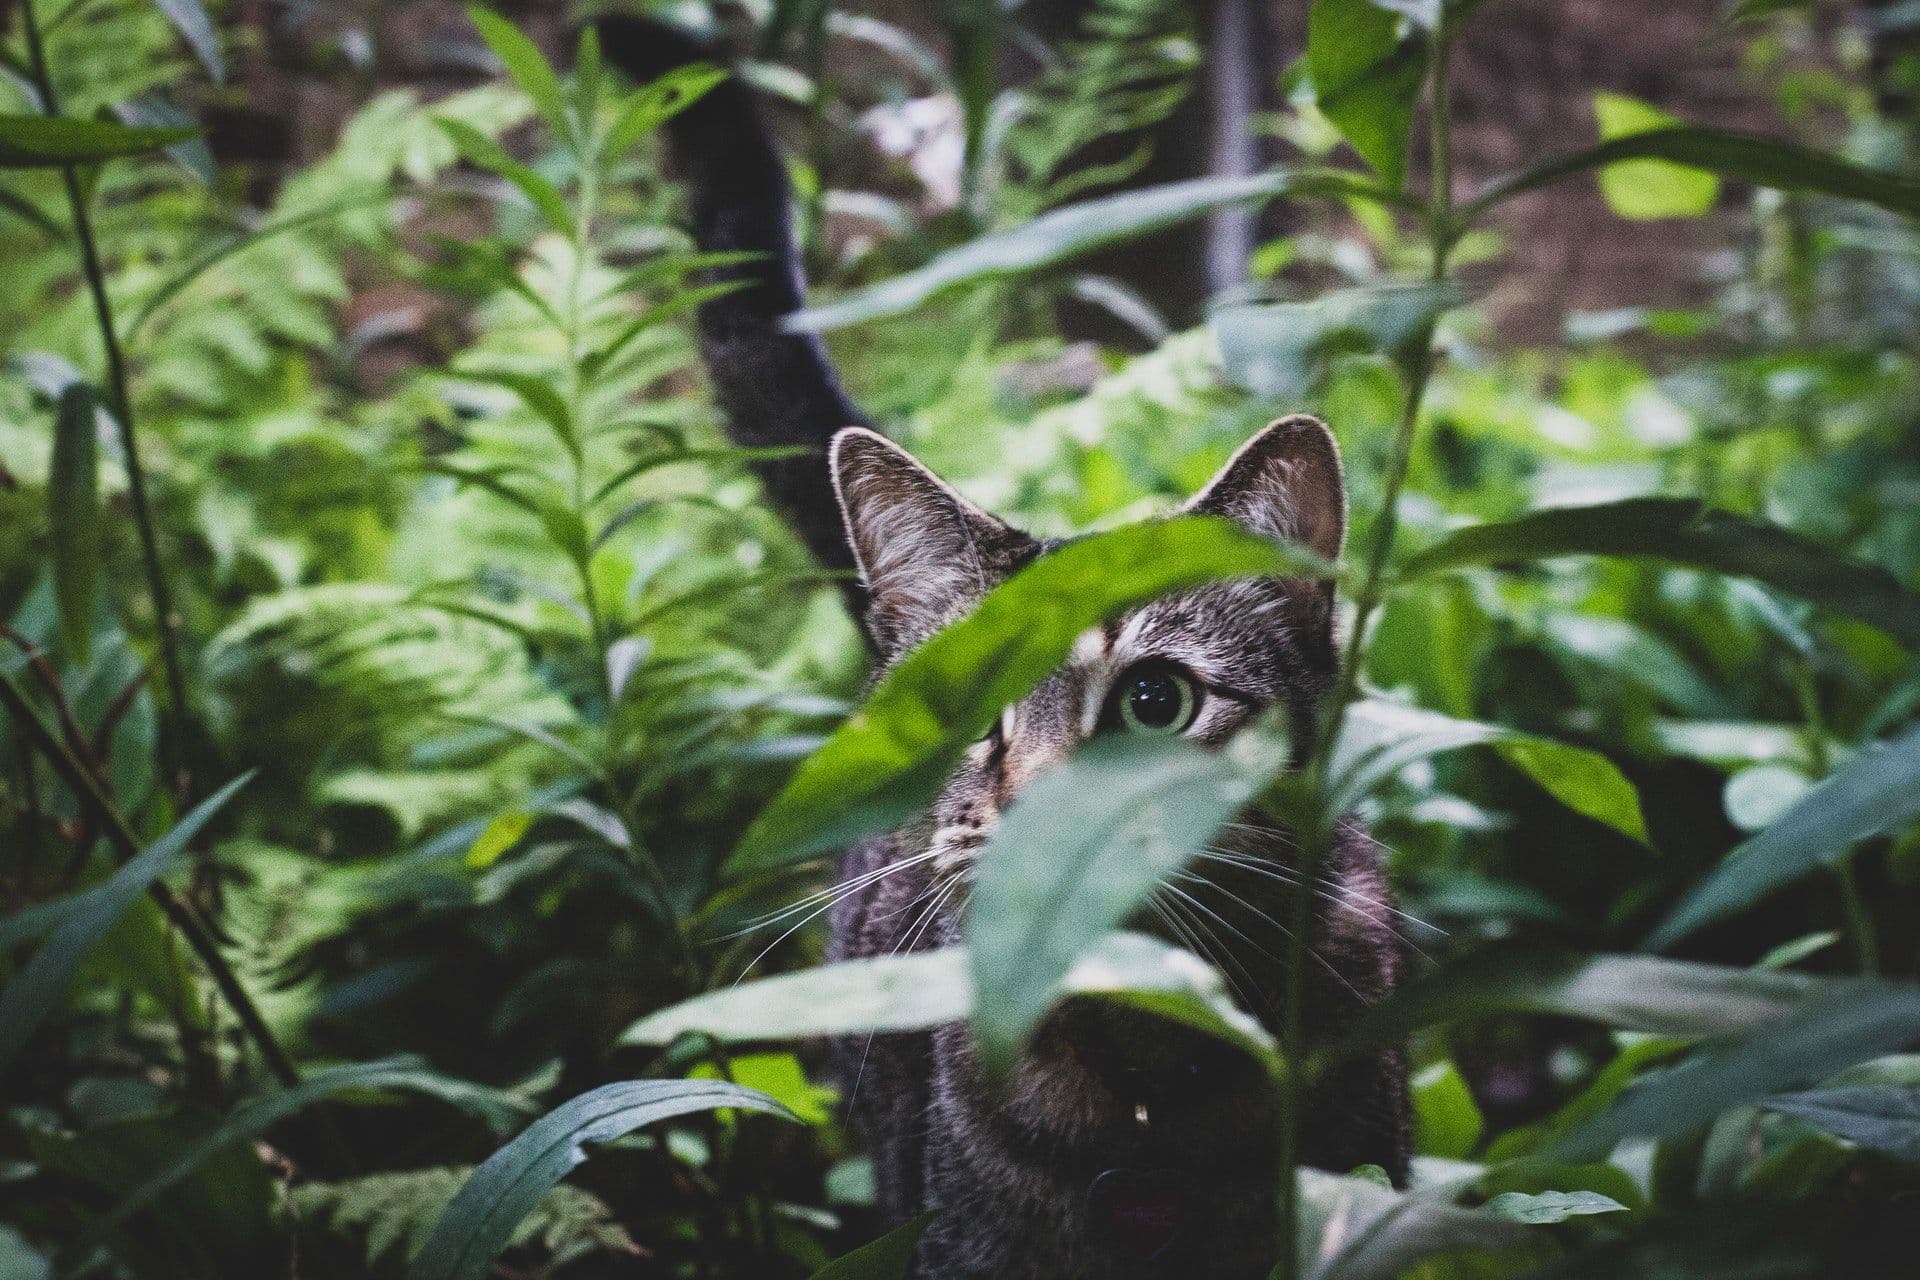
<point x="1154" y="696"/>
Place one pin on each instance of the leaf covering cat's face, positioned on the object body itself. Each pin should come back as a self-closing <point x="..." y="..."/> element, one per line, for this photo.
<point x="1201" y="663"/>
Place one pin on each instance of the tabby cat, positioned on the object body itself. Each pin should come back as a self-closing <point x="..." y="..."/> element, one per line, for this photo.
<point x="1121" y="1146"/>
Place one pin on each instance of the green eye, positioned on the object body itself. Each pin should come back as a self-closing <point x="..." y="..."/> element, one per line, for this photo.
<point x="1155" y="697"/>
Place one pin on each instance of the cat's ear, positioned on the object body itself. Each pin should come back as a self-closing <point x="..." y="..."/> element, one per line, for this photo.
<point x="1287" y="483"/>
<point x="926" y="554"/>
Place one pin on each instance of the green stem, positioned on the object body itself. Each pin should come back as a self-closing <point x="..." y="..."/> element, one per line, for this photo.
<point x="1860" y="931"/>
<point x="181" y="913"/>
<point x="172" y="746"/>
<point x="1318" y="841"/>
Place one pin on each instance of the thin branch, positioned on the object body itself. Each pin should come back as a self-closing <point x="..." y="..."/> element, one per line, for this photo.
<point x="179" y="912"/>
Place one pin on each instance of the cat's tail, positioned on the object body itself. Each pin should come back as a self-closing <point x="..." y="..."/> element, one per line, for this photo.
<point x="775" y="388"/>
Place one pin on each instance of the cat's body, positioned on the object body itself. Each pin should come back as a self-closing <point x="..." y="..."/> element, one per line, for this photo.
<point x="1121" y="1146"/>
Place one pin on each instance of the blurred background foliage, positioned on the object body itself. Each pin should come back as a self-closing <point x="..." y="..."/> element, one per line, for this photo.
<point x="464" y="572"/>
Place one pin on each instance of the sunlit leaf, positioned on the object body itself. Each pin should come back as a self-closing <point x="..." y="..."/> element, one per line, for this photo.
<point x="1366" y="79"/>
<point x="1647" y="189"/>
<point x="1543" y="1207"/>
<point x="889" y="759"/>
<point x="1765" y="162"/>
<point x="497" y="837"/>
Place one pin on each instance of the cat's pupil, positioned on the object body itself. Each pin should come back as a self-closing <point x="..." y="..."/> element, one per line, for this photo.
<point x="1155" y="701"/>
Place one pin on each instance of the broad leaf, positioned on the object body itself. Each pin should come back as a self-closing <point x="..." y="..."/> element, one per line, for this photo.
<point x="1765" y="162"/>
<point x="476" y="1226"/>
<point x="35" y="991"/>
<point x="1379" y="738"/>
<point x="50" y="142"/>
<point x="73" y="512"/>
<point x="889" y="759"/>
<point x="884" y="1259"/>
<point x="1545" y="1207"/>
<point x="255" y="1116"/>
<point x="1874" y="793"/>
<point x="1632" y="993"/>
<point x="1082" y="846"/>
<point x="1283" y="348"/>
<point x="1353" y="1228"/>
<point x="915" y="991"/>
<point x="1648" y="189"/>
<point x="1061" y="234"/>
<point x="1882" y="1118"/>
<point x="1849" y="1023"/>
<point x="1366" y="79"/>
<point x="1685" y="532"/>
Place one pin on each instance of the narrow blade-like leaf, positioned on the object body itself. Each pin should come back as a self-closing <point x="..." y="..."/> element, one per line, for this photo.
<point x="526" y="65"/>
<point x="37" y="989"/>
<point x="74" y="516"/>
<point x="49" y="142"/>
<point x="1876" y="792"/>
<point x="1683" y="531"/>
<point x="476" y="1226"/>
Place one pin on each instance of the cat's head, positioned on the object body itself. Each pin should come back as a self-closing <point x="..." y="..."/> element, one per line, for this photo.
<point x="1202" y="663"/>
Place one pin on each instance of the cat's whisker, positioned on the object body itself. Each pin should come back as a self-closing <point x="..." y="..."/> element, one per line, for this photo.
<point x="856" y="885"/>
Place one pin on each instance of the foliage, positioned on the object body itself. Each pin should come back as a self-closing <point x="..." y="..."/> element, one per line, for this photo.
<point x="548" y="722"/>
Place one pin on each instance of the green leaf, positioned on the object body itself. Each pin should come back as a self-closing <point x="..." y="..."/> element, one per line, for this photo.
<point x="478" y="149"/>
<point x="1354" y="1229"/>
<point x="1648" y="189"/>
<point x="1366" y="79"/>
<point x="1446" y="1120"/>
<point x="526" y="65"/>
<point x="51" y="142"/>
<point x="1379" y="738"/>
<point x="191" y="21"/>
<point x="505" y="831"/>
<point x="1080" y="848"/>
<point x="1874" y="793"/>
<point x="73" y="512"/>
<point x="1849" y="1023"/>
<point x="1061" y="234"/>
<point x="1283" y="348"/>
<point x="477" y="1225"/>
<point x="1633" y="993"/>
<point x="884" y="1259"/>
<point x="31" y="214"/>
<point x="32" y="994"/>
<point x="658" y="102"/>
<point x="1765" y="162"/>
<point x="1882" y="1118"/>
<point x="889" y="759"/>
<point x="537" y="394"/>
<point x="781" y="1077"/>
<point x="925" y="989"/>
<point x="1544" y="1207"/>
<point x="1683" y="531"/>
<point x="256" y="1115"/>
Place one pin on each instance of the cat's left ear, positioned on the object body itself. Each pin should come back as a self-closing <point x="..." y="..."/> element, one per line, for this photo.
<point x="1287" y="483"/>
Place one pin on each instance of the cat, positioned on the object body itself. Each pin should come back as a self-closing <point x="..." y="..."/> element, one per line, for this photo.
<point x="1121" y="1146"/>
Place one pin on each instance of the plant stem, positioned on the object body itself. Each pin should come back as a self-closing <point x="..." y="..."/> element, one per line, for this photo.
<point x="172" y="748"/>
<point x="1860" y="930"/>
<point x="1314" y="844"/>
<point x="181" y="913"/>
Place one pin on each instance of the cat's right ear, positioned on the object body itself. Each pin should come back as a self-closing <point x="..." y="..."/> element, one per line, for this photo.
<point x="926" y="554"/>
